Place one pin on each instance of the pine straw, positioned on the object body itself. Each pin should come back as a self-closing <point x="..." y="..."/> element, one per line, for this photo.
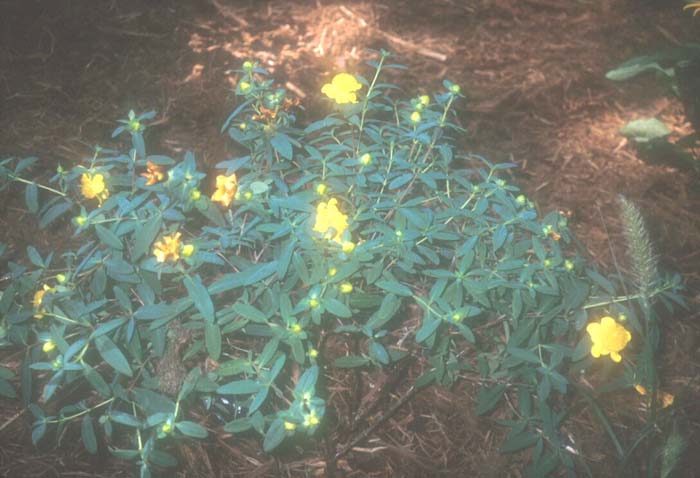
<point x="534" y="73"/>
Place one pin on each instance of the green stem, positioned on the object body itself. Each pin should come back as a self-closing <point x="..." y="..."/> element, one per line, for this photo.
<point x="80" y="414"/>
<point x="46" y="188"/>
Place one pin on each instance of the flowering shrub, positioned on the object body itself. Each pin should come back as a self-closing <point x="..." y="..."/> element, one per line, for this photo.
<point x="187" y="291"/>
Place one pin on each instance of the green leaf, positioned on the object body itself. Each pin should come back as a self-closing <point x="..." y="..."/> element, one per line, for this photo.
<point x="351" y="361"/>
<point x="125" y="419"/>
<point x="96" y="380"/>
<point x="239" y="387"/>
<point x="249" y="276"/>
<point x="395" y="287"/>
<point x="31" y="196"/>
<point x="634" y="67"/>
<point x="524" y="355"/>
<point x="337" y="308"/>
<point x="258" y="187"/>
<point x="35" y="257"/>
<point x="200" y="296"/>
<point x="379" y="353"/>
<point x="274" y="436"/>
<point x="212" y="339"/>
<point x="112" y="355"/>
<point x="427" y="329"/>
<point x="6" y="389"/>
<point x="645" y="130"/>
<point x="191" y="429"/>
<point x="87" y="432"/>
<point x="53" y="213"/>
<point x="489" y="397"/>
<point x="144" y="237"/>
<point x="400" y="181"/>
<point x="282" y="145"/>
<point x="108" y="237"/>
<point x="249" y="312"/>
<point x="519" y="441"/>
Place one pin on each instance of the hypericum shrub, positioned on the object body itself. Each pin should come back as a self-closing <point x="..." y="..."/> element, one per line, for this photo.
<point x="182" y="291"/>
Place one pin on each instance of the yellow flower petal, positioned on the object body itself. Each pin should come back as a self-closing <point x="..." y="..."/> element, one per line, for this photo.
<point x="615" y="356"/>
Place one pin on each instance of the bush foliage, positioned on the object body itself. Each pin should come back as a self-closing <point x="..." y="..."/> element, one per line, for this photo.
<point x="171" y="298"/>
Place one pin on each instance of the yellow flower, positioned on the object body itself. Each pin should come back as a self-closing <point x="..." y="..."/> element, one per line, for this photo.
<point x="168" y="248"/>
<point x="666" y="399"/>
<point x="154" y="173"/>
<point x="346" y="287"/>
<point x="695" y="6"/>
<point x="48" y="346"/>
<point x="608" y="337"/>
<point x="226" y="187"/>
<point x="342" y="88"/>
<point x="93" y="186"/>
<point x="330" y="221"/>
<point x="38" y="298"/>
<point x="289" y="426"/>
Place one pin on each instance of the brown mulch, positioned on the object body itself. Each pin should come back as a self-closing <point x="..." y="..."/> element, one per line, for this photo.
<point x="534" y="74"/>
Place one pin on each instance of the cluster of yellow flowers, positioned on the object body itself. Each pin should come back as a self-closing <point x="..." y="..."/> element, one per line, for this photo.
<point x="93" y="186"/>
<point x="332" y="223"/>
<point x="39" y="298"/>
<point x="170" y="248"/>
<point x="226" y="187"/>
<point x="342" y="88"/>
<point x="608" y="337"/>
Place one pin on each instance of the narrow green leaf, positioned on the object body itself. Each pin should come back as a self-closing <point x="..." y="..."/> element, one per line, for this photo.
<point x="239" y="387"/>
<point x="31" y="196"/>
<point x="212" y="340"/>
<point x="87" y="432"/>
<point x="489" y="397"/>
<point x="200" y="296"/>
<point x="191" y="429"/>
<point x="274" y="436"/>
<point x="112" y="355"/>
<point x="351" y="361"/>
<point x="108" y="237"/>
<point x="144" y="237"/>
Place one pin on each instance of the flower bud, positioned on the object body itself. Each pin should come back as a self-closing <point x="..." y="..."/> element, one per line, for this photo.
<point x="248" y="66"/>
<point x="455" y="89"/>
<point x="366" y="159"/>
<point x="424" y="99"/>
<point x="346" y="287"/>
<point x="48" y="346"/>
<point x="195" y="194"/>
<point x="321" y="189"/>
<point x="348" y="247"/>
<point x="187" y="250"/>
<point x="289" y="426"/>
<point x="61" y="278"/>
<point x="80" y="220"/>
<point x="313" y="353"/>
<point x="415" y="117"/>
